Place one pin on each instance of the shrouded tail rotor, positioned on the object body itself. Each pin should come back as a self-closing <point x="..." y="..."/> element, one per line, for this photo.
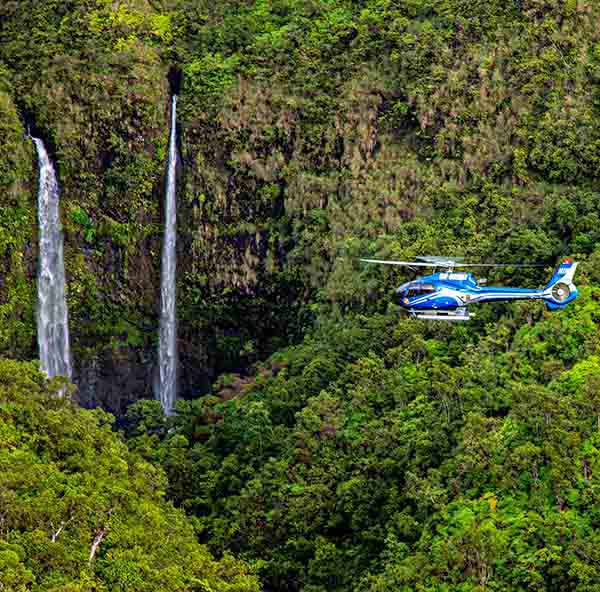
<point x="561" y="290"/>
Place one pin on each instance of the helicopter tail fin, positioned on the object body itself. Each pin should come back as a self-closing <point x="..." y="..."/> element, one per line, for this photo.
<point x="561" y="290"/>
<point x="564" y="273"/>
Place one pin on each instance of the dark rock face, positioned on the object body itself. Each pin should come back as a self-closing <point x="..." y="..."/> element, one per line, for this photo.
<point x="248" y="171"/>
<point x="98" y="93"/>
<point x="114" y="380"/>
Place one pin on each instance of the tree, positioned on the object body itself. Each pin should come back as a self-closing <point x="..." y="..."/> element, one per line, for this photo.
<point x="78" y="511"/>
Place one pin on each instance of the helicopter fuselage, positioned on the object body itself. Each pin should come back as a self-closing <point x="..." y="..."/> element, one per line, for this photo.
<point x="447" y="294"/>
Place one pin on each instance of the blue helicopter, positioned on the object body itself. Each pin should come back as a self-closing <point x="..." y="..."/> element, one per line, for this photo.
<point x="446" y="295"/>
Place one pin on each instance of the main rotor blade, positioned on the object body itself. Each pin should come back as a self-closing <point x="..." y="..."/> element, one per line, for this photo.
<point x="451" y="264"/>
<point x="500" y="265"/>
<point x="405" y="263"/>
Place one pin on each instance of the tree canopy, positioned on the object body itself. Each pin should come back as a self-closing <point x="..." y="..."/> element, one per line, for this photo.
<point x="79" y="513"/>
<point x="325" y="440"/>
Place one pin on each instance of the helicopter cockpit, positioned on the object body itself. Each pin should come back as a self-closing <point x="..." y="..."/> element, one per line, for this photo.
<point x="414" y="289"/>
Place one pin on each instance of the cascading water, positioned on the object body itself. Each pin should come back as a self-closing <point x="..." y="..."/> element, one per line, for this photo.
<point x="167" y="355"/>
<point x="52" y="314"/>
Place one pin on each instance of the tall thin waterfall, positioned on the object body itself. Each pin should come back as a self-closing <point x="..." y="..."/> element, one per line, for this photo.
<point x="52" y="314"/>
<point x="167" y="355"/>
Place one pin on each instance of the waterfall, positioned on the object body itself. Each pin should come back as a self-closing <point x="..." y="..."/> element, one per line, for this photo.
<point x="52" y="315"/>
<point x="167" y="355"/>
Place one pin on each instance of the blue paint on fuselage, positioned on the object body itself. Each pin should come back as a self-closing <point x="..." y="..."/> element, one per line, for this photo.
<point x="448" y="291"/>
<point x="433" y="303"/>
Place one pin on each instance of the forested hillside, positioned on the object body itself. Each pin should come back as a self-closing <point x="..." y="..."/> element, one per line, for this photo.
<point x="325" y="439"/>
<point x="81" y="513"/>
<point x="385" y="456"/>
<point x="310" y="133"/>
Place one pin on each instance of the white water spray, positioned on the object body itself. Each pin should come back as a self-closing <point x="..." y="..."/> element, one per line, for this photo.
<point x="167" y="355"/>
<point x="52" y="314"/>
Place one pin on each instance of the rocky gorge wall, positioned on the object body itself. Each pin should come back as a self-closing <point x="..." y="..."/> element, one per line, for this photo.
<point x="309" y="134"/>
<point x="102" y="113"/>
<point x="98" y="92"/>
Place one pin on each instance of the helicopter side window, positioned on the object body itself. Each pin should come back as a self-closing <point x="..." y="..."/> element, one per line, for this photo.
<point x="420" y="290"/>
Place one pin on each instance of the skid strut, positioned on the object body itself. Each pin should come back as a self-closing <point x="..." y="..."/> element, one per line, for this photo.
<point x="460" y="314"/>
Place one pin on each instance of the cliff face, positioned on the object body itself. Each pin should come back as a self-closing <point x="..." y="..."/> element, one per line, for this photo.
<point x="93" y="81"/>
<point x="17" y="256"/>
<point x="87" y="83"/>
<point x="310" y="133"/>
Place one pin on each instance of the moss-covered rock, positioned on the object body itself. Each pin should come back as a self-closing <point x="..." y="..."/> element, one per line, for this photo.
<point x="310" y="134"/>
<point x="17" y="229"/>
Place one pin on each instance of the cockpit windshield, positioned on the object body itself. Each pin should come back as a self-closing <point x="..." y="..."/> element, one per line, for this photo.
<point x="415" y="289"/>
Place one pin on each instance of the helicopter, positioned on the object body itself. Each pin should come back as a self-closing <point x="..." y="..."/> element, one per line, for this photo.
<point x="446" y="295"/>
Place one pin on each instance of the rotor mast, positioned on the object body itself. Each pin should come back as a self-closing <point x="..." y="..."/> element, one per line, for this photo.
<point x="444" y="262"/>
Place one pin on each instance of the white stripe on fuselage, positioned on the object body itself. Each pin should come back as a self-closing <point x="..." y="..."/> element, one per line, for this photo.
<point x="443" y="292"/>
<point x="490" y="295"/>
<point x="459" y="296"/>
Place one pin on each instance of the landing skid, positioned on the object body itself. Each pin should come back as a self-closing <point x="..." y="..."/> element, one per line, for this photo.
<point x="460" y="314"/>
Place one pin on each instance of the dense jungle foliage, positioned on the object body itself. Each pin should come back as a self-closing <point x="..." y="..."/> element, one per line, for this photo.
<point x="79" y="512"/>
<point x="342" y="446"/>
<point x="386" y="456"/>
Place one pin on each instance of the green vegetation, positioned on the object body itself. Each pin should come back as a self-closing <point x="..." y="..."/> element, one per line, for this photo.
<point x="341" y="447"/>
<point x="311" y="132"/>
<point x="16" y="219"/>
<point x="381" y="455"/>
<point x="80" y="513"/>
